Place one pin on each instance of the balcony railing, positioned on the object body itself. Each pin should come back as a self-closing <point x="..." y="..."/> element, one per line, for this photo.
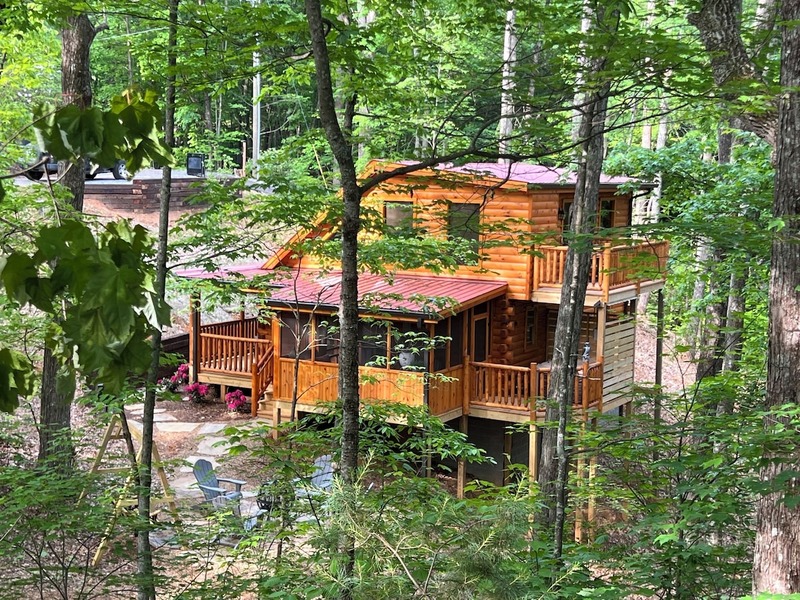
<point x="611" y="267"/>
<point x="231" y="347"/>
<point x="508" y="387"/>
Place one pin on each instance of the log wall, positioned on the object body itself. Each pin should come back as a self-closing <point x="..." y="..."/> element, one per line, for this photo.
<point x="505" y="214"/>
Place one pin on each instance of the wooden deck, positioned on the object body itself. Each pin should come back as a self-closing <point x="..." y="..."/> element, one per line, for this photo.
<point x="230" y="354"/>
<point x="616" y="273"/>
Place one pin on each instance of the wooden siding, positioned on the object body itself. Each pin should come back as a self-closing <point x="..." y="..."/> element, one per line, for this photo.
<point x="500" y="208"/>
<point x="446" y="390"/>
<point x="318" y="382"/>
<point x="618" y="356"/>
<point x="509" y="217"/>
<point x="588" y="332"/>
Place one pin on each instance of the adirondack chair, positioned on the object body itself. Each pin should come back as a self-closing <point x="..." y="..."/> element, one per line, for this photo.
<point x="321" y="479"/>
<point x="209" y="483"/>
<point x="302" y="488"/>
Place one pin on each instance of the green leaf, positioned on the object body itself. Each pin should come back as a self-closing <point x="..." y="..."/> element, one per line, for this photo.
<point x="17" y="378"/>
<point x="16" y="270"/>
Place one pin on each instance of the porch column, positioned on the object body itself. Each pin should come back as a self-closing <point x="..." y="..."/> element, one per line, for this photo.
<point x="533" y="431"/>
<point x="194" y="335"/>
<point x="461" y="470"/>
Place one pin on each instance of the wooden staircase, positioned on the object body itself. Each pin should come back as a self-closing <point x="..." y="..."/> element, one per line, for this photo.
<point x="266" y="405"/>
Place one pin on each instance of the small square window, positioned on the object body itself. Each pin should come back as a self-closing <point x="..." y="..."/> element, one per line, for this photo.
<point x="399" y="216"/>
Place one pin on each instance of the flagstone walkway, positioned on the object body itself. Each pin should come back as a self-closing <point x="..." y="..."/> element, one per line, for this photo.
<point x="210" y="445"/>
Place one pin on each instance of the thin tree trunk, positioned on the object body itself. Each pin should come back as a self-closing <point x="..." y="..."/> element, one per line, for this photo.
<point x="734" y="323"/>
<point x="708" y="345"/>
<point x="555" y="451"/>
<point x="348" y="308"/>
<point x="76" y="88"/>
<point x="144" y="563"/>
<point x="776" y="558"/>
<point x="506" y="125"/>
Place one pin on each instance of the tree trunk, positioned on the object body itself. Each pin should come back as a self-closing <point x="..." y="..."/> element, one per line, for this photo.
<point x="709" y="348"/>
<point x="734" y="323"/>
<point x="76" y="88"/>
<point x="776" y="559"/>
<point x="718" y="22"/>
<point x="348" y="308"/>
<point x="555" y="451"/>
<point x="506" y="125"/>
<point x="55" y="415"/>
<point x="144" y="562"/>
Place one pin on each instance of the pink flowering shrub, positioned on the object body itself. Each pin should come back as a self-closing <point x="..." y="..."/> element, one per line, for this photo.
<point x="197" y="392"/>
<point x="179" y="378"/>
<point x="237" y="401"/>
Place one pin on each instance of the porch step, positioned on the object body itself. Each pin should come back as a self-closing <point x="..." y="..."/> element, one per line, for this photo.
<point x="266" y="404"/>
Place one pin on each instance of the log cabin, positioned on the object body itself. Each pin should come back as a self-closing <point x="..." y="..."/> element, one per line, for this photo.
<point x="472" y="344"/>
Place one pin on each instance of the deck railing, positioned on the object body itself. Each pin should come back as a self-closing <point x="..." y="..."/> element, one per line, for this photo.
<point x="240" y="328"/>
<point x="611" y="266"/>
<point x="514" y="388"/>
<point x="228" y="354"/>
<point x="318" y="382"/>
<point x="261" y="376"/>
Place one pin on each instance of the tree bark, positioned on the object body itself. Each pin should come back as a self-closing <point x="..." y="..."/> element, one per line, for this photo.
<point x="555" y="450"/>
<point x="348" y="308"/>
<point x="776" y="560"/>
<point x="506" y="125"/>
<point x="144" y="555"/>
<point x="76" y="88"/>
<point x="734" y="323"/>
<point x="718" y="22"/>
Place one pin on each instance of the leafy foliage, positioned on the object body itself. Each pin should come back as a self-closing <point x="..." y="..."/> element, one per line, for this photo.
<point x="103" y="295"/>
<point x="130" y="129"/>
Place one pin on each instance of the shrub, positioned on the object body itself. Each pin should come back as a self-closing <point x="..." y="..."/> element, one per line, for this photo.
<point x="197" y="392"/>
<point x="236" y="401"/>
<point x="180" y="377"/>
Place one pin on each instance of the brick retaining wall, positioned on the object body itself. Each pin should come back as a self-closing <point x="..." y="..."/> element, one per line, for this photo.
<point x="142" y="195"/>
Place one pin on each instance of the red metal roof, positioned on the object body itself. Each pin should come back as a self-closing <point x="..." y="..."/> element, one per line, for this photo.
<point x="534" y="175"/>
<point x="427" y="295"/>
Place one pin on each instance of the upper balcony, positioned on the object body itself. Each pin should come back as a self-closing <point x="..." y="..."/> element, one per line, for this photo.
<point x="616" y="273"/>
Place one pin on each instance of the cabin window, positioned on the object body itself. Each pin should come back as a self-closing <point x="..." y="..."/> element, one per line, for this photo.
<point x="326" y="339"/>
<point x="565" y="214"/>
<point x="606" y="217"/>
<point x="531" y="315"/>
<point x="295" y="335"/>
<point x="441" y="331"/>
<point x="463" y="222"/>
<point x="409" y="347"/>
<point x="371" y="344"/>
<point x="399" y="216"/>
<point x="480" y="338"/>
